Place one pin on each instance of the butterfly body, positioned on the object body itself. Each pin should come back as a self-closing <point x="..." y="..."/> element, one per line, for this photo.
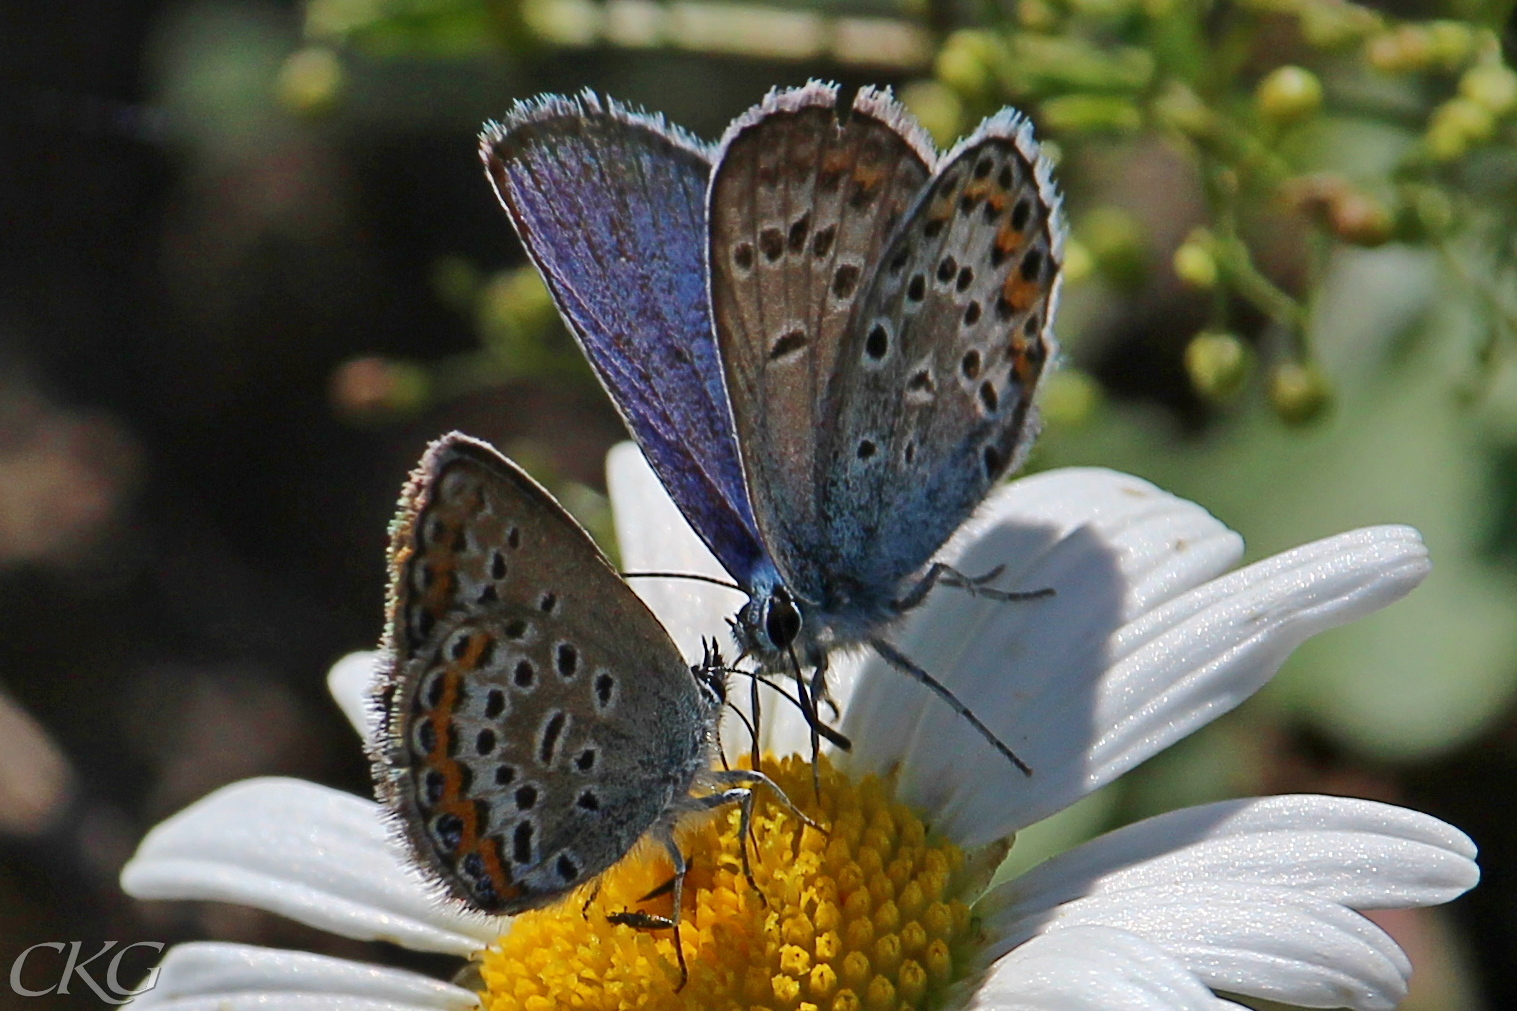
<point x="876" y="318"/>
<point x="537" y="721"/>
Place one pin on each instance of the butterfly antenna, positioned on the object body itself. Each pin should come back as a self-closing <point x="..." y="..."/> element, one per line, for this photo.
<point x="832" y="736"/>
<point x="696" y="576"/>
<point x="901" y="662"/>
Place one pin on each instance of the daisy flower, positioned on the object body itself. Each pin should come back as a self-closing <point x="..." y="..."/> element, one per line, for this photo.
<point x="1148" y="637"/>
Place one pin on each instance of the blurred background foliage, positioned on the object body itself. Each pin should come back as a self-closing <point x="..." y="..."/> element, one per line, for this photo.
<point x="250" y="264"/>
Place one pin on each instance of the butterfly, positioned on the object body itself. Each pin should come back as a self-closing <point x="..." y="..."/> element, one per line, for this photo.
<point x="825" y="336"/>
<point x="536" y="720"/>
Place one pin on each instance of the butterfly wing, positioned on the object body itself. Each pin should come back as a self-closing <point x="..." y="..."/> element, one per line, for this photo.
<point x="610" y="205"/>
<point x="800" y="209"/>
<point x="536" y="717"/>
<point x="931" y="397"/>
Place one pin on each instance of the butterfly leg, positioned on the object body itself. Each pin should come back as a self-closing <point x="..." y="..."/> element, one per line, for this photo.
<point x="940" y="572"/>
<point x="807" y="696"/>
<point x="649" y="921"/>
<point x="901" y="662"/>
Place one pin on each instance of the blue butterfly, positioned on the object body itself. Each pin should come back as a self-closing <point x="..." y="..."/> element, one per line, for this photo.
<point x="825" y="335"/>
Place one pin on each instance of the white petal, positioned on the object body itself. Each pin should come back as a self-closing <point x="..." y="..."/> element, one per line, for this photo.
<point x="1359" y="853"/>
<point x="654" y="537"/>
<point x="351" y="682"/>
<point x="1083" y="697"/>
<point x="1254" y="940"/>
<point x="1111" y="546"/>
<point x="313" y="854"/>
<point x="1091" y="969"/>
<point x="210" y="976"/>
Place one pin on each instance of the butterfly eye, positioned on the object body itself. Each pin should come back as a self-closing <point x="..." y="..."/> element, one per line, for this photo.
<point x="783" y="622"/>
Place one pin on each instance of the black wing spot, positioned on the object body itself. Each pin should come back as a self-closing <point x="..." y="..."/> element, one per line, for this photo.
<point x="589" y="801"/>
<point x="425" y="622"/>
<point x="899" y="260"/>
<point x="989" y="398"/>
<point x="513" y="538"/>
<point x="548" y="602"/>
<point x="426" y="737"/>
<point x="487" y="594"/>
<point x="567" y="869"/>
<point x="433" y="695"/>
<point x="866" y="449"/>
<point x="604" y="685"/>
<point x="994" y="461"/>
<point x="1030" y="328"/>
<point x="844" y="280"/>
<point x="515" y="628"/>
<point x="1020" y="213"/>
<point x="432" y="785"/>
<point x="1004" y="309"/>
<point x="789" y="344"/>
<point x="505" y="775"/>
<point x="877" y="343"/>
<point x="742" y="255"/>
<point x="521" y="842"/>
<point x="916" y="287"/>
<point x="971" y="314"/>
<point x="459" y="647"/>
<point x="525" y="674"/>
<point x="921" y="382"/>
<point x="967" y="202"/>
<point x="966" y="278"/>
<point x="934" y="227"/>
<point x="497" y="565"/>
<point x="448" y="830"/>
<point x="970" y="364"/>
<point x="1032" y="265"/>
<point x="1005" y="178"/>
<point x="484" y="743"/>
<point x="947" y="267"/>
<point x="799" y="229"/>
<point x="552" y="730"/>
<point x="567" y="660"/>
<point x="911" y="452"/>
<point x="495" y="703"/>
<point x="821" y="243"/>
<point x="526" y="797"/>
<point x="983" y="166"/>
<point x="771" y="244"/>
<point x="585" y="760"/>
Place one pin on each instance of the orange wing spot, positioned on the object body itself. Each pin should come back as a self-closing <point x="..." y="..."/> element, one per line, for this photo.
<point x="1020" y="293"/>
<point x="997" y="201"/>
<point x="978" y="189"/>
<point x="868" y="176"/>
<point x="1008" y="240"/>
<point x="1026" y="366"/>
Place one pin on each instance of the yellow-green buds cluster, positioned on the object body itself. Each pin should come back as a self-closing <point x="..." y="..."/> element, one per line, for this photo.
<point x="1288" y="95"/>
<point x="310" y="81"/>
<point x="1195" y="262"/>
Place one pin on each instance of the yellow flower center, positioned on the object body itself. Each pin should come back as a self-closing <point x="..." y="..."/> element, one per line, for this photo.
<point x="861" y="917"/>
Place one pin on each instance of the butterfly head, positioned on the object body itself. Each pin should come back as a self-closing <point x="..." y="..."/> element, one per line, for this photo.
<point x="769" y="624"/>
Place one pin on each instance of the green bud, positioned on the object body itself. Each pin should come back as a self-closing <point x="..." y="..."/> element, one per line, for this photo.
<point x="1299" y="392"/>
<point x="1455" y="126"/>
<point x="966" y="61"/>
<point x="1195" y="265"/>
<point x="310" y="82"/>
<point x="1453" y="42"/>
<point x="1491" y="85"/>
<point x="514" y="304"/>
<point x="1181" y="109"/>
<point x="1334" y="24"/>
<point x="1037" y="15"/>
<point x="1217" y="363"/>
<point x="1288" y="95"/>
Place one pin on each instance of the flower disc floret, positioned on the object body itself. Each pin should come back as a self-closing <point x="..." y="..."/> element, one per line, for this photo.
<point x="864" y="917"/>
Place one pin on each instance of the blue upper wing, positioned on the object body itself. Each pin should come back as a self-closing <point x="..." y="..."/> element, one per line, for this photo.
<point x="611" y="206"/>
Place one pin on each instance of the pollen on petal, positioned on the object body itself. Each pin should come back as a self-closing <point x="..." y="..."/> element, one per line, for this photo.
<point x="862" y="917"/>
